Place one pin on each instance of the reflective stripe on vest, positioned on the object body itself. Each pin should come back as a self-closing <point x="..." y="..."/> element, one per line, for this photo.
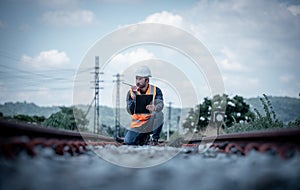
<point x="140" y="119"/>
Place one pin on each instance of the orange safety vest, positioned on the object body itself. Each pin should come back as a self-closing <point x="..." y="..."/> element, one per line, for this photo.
<point x="140" y="119"/>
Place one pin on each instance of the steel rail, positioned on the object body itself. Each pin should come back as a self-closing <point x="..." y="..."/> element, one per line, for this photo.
<point x="16" y="137"/>
<point x="283" y="142"/>
<point x="13" y="129"/>
<point x="279" y="136"/>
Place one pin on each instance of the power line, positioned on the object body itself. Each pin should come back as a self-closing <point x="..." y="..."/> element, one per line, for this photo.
<point x="16" y="79"/>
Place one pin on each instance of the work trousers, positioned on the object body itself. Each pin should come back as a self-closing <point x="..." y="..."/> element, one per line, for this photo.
<point x="139" y="135"/>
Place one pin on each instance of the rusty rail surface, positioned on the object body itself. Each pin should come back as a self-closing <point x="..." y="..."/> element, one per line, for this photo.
<point x="13" y="129"/>
<point x="15" y="137"/>
<point x="279" y="136"/>
<point x="284" y="142"/>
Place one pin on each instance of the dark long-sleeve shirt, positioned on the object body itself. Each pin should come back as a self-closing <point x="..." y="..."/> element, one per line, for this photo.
<point x="158" y="101"/>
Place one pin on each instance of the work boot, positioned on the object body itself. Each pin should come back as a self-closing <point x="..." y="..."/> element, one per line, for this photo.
<point x="153" y="142"/>
<point x="119" y="140"/>
<point x="144" y="140"/>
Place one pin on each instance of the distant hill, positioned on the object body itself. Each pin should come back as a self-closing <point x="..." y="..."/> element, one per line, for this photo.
<point x="286" y="108"/>
<point x="24" y="108"/>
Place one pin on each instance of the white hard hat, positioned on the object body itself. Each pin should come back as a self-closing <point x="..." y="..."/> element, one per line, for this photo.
<point x="143" y="71"/>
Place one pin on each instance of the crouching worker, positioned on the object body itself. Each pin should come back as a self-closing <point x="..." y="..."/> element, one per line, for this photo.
<point x="144" y="124"/>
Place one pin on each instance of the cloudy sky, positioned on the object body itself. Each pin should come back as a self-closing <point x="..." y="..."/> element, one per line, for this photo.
<point x="255" y="45"/>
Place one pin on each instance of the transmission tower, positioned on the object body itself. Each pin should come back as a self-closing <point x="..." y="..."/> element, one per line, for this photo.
<point x="169" y="121"/>
<point x="117" y="109"/>
<point x="96" y="96"/>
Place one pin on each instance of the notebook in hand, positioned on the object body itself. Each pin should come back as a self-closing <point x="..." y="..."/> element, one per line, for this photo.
<point x="141" y="102"/>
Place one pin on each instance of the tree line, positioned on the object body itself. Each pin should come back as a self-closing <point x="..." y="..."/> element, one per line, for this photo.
<point x="63" y="119"/>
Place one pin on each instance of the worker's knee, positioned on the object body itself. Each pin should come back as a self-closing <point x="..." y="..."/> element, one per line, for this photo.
<point x="131" y="138"/>
<point x="136" y="138"/>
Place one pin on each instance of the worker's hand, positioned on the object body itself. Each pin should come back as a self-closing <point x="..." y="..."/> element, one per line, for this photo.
<point x="134" y="89"/>
<point x="150" y="107"/>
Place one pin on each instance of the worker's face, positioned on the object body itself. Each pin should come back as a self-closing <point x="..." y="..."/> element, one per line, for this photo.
<point x="141" y="82"/>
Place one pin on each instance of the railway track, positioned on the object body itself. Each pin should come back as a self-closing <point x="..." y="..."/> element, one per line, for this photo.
<point x="282" y="142"/>
<point x="15" y="137"/>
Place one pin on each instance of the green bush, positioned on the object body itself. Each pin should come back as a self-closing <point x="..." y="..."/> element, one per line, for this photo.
<point x="262" y="122"/>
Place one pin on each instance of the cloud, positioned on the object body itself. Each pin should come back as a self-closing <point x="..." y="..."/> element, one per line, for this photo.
<point x="253" y="39"/>
<point x="2" y="25"/>
<point x="120" y="1"/>
<point x="133" y="56"/>
<point x="69" y="18"/>
<point x="227" y="65"/>
<point x="43" y="91"/>
<point x="44" y="96"/>
<point x="24" y="27"/>
<point x="123" y="60"/>
<point x="286" y="78"/>
<point x="59" y="3"/>
<point x="294" y="9"/>
<point x="234" y="22"/>
<point x="50" y="58"/>
<point x="253" y="81"/>
<point x="2" y="88"/>
<point x="230" y="63"/>
<point x="243" y="85"/>
<point x="165" y="17"/>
